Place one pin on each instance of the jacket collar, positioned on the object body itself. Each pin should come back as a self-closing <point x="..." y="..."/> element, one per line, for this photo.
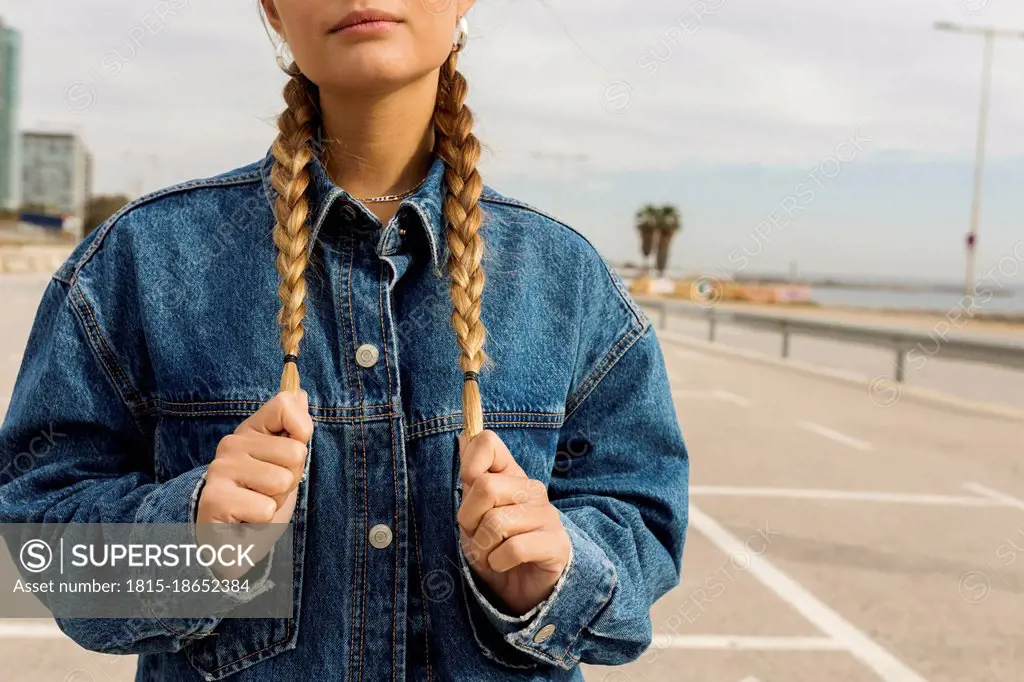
<point x="426" y="203"/>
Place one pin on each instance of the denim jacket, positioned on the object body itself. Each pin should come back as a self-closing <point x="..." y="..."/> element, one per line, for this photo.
<point x="157" y="338"/>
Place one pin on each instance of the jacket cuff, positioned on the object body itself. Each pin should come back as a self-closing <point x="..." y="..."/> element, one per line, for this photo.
<point x="177" y="501"/>
<point x="174" y="501"/>
<point x="550" y="632"/>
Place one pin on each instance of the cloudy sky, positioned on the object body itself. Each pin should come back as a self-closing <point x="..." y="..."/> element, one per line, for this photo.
<point x="855" y="111"/>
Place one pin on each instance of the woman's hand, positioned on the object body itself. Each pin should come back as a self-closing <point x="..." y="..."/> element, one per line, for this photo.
<point x="512" y="536"/>
<point x="255" y="475"/>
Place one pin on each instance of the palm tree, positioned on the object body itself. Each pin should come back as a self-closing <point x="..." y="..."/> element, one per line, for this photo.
<point x="647" y="224"/>
<point x="668" y="222"/>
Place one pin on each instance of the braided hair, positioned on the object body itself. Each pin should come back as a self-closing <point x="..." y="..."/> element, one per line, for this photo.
<point x="459" y="149"/>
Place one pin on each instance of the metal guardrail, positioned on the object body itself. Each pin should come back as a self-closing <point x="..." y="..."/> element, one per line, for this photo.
<point x="901" y="342"/>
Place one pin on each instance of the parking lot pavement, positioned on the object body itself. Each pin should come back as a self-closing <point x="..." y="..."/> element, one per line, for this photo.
<point x="895" y="535"/>
<point x="20" y="296"/>
<point x="32" y="651"/>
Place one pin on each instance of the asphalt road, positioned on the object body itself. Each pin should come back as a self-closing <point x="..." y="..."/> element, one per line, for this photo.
<point x="832" y="538"/>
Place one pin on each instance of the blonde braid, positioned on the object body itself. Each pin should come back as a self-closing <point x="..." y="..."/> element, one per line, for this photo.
<point x="293" y="153"/>
<point x="456" y="145"/>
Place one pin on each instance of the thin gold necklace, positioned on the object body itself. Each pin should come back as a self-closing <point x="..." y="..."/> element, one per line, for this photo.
<point x="391" y="198"/>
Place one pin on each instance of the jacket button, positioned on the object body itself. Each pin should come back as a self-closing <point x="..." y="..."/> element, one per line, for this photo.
<point x="380" y="536"/>
<point x="367" y="355"/>
<point x="544" y="633"/>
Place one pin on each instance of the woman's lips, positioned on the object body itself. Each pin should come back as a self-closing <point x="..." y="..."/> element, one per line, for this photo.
<point x="366" y="21"/>
<point x="368" y="27"/>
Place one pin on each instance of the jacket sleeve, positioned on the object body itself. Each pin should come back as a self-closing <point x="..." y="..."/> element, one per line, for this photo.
<point x="71" y="451"/>
<point x="620" y="482"/>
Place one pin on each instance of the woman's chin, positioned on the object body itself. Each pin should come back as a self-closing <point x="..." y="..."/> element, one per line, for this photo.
<point x="370" y="68"/>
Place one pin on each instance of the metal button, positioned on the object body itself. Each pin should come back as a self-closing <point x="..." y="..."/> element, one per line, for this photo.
<point x="380" y="536"/>
<point x="367" y="355"/>
<point x="401" y="232"/>
<point x="544" y="633"/>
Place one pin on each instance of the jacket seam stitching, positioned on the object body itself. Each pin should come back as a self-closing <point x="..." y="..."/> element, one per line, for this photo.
<point x="394" y="470"/>
<point x="288" y="634"/>
<point x="358" y="419"/>
<point x="603" y="604"/>
<point x="515" y="203"/>
<point x="565" y="657"/>
<point x="108" y="351"/>
<point x="454" y="415"/>
<point x="627" y="300"/>
<point x="616" y="282"/>
<point x="413" y="520"/>
<point x="453" y="427"/>
<point x="363" y="440"/>
<point x="580" y="395"/>
<point x="487" y="651"/>
<point x="94" y="338"/>
<point x="354" y="662"/>
<point x="158" y="402"/>
<point x="163" y="623"/>
<point x="246" y="178"/>
<point x="342" y="419"/>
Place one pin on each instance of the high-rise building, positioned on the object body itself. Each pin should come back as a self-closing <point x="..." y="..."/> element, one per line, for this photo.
<point x="88" y="179"/>
<point x="57" y="174"/>
<point x="10" y="139"/>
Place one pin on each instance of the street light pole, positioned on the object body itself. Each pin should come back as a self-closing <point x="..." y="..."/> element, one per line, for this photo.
<point x="990" y="35"/>
<point x="979" y="161"/>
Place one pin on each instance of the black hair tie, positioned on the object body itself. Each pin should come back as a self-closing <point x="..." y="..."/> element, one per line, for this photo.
<point x="471" y="376"/>
<point x="291" y="358"/>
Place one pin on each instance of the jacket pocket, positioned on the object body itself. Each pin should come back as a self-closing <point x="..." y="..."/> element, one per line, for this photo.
<point x="183" y="443"/>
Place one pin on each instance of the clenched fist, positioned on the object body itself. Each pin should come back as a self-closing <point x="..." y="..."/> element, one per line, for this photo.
<point x="255" y="475"/>
<point x="512" y="536"/>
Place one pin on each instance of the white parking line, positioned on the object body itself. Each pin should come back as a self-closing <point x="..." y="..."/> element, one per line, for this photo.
<point x="732" y="398"/>
<point x="862" y="647"/>
<point x="846" y="496"/>
<point x="703" y="358"/>
<point x="724" y="396"/>
<point x="688" y="394"/>
<point x="27" y="629"/>
<point x="745" y="643"/>
<point x="995" y="495"/>
<point x="855" y="443"/>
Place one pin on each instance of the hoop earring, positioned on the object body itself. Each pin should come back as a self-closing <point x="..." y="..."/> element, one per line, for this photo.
<point x="461" y="35"/>
<point x="285" y="60"/>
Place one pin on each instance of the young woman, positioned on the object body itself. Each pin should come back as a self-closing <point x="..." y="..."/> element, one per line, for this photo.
<point x="485" y="482"/>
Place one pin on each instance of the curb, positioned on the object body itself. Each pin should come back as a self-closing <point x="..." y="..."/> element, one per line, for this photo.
<point x="842" y="376"/>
